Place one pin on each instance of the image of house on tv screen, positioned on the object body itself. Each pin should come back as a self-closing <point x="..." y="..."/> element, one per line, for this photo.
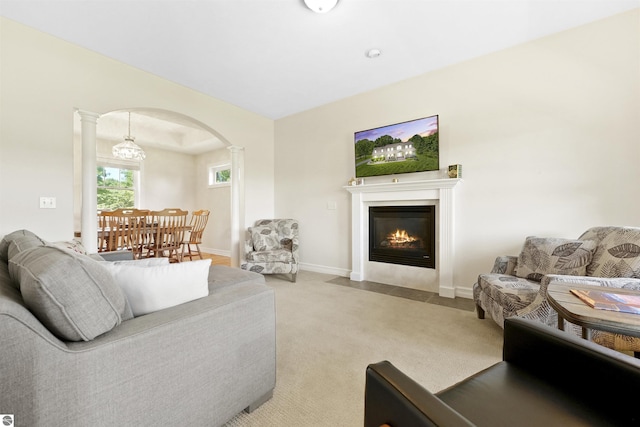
<point x="400" y="148"/>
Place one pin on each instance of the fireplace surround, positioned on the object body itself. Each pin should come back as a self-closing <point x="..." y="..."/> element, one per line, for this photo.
<point x="437" y="192"/>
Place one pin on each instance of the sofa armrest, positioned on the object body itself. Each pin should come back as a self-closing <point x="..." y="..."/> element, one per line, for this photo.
<point x="505" y="264"/>
<point x="593" y="374"/>
<point x="391" y="397"/>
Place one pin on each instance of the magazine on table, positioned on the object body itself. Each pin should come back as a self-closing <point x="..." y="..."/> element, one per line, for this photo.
<point x="609" y="300"/>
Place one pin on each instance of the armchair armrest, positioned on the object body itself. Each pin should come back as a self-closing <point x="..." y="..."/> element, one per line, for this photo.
<point x="505" y="264"/>
<point x="391" y="397"/>
<point x="248" y="243"/>
<point x="580" y="367"/>
<point x="294" y="249"/>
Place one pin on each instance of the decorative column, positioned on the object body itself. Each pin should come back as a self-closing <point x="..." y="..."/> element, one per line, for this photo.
<point x="88" y="122"/>
<point x="237" y="204"/>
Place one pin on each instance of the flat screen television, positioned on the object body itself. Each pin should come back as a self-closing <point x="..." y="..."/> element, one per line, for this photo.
<point x="400" y="148"/>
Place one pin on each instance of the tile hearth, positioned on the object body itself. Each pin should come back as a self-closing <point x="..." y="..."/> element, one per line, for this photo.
<point x="407" y="293"/>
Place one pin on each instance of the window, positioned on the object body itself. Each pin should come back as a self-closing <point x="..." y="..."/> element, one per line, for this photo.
<point x="116" y="187"/>
<point x="219" y="175"/>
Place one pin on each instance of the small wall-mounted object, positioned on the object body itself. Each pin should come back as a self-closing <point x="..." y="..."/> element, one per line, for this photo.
<point x="455" y="171"/>
<point x="47" y="202"/>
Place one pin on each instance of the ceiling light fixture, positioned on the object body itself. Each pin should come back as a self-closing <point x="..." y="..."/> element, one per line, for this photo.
<point x="321" y="6"/>
<point x="373" y="53"/>
<point x="128" y="150"/>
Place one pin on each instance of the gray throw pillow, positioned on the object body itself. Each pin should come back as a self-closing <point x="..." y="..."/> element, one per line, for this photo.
<point x="541" y="256"/>
<point x="6" y="241"/>
<point x="19" y="244"/>
<point x="72" y="295"/>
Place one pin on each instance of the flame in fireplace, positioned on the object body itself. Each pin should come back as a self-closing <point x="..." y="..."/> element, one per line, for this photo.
<point x="400" y="237"/>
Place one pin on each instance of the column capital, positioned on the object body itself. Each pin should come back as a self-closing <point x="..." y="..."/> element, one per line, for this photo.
<point x="235" y="148"/>
<point x="88" y="116"/>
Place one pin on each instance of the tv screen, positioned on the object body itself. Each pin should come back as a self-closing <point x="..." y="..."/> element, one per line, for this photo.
<point x="400" y="148"/>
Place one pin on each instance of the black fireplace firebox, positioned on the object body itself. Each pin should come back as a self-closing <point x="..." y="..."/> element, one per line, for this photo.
<point x="403" y="235"/>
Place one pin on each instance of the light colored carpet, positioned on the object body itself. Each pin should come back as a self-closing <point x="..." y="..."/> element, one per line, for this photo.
<point x="327" y="335"/>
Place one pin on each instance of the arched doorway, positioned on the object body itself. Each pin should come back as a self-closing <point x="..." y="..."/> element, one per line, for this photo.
<point x="91" y="129"/>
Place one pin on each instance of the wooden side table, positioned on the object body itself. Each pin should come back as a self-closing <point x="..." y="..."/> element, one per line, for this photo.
<point x="574" y="310"/>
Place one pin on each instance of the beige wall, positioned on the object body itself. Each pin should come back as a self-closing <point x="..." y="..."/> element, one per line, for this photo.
<point x="548" y="134"/>
<point x="43" y="80"/>
<point x="168" y="180"/>
<point x="217" y="200"/>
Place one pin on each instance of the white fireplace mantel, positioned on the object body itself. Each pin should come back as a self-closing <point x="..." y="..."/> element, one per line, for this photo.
<point x="440" y="191"/>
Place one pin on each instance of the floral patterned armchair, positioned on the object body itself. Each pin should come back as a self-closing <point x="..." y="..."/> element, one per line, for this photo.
<point x="271" y="247"/>
<point x="601" y="256"/>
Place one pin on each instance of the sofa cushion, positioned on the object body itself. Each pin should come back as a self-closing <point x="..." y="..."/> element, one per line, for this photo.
<point x="512" y="293"/>
<point x="153" y="288"/>
<point x="617" y="253"/>
<point x="221" y="276"/>
<point x="73" y="296"/>
<point x="541" y="256"/>
<point x="265" y="238"/>
<point x="6" y="241"/>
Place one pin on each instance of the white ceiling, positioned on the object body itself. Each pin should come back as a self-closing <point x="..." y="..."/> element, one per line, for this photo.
<point x="277" y="58"/>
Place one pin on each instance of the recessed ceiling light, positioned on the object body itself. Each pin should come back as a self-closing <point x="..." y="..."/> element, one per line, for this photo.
<point x="373" y="53"/>
<point x="321" y="6"/>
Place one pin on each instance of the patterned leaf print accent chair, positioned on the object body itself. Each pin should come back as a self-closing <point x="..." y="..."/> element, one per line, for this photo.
<point x="601" y="256"/>
<point x="271" y="247"/>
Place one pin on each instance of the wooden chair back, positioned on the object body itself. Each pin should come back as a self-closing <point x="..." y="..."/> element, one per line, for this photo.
<point x="199" y="221"/>
<point x="123" y="229"/>
<point x="102" y="231"/>
<point x="168" y="230"/>
<point x="138" y="229"/>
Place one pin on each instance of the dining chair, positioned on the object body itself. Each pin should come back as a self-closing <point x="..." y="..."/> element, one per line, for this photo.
<point x="113" y="231"/>
<point x="168" y="228"/>
<point x="124" y="229"/>
<point x="198" y="223"/>
<point x="138" y="231"/>
<point x="102" y="231"/>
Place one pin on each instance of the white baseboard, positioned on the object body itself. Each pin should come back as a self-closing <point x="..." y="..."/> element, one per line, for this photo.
<point x="324" y="269"/>
<point x="464" y="293"/>
<point x="213" y="251"/>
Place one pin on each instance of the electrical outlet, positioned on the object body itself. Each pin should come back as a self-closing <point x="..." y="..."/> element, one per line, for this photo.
<point x="47" y="202"/>
<point x="331" y="205"/>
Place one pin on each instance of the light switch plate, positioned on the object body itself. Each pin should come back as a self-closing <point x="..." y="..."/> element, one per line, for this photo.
<point x="47" y="202"/>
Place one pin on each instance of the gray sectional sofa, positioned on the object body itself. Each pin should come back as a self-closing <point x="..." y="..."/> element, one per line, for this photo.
<point x="198" y="363"/>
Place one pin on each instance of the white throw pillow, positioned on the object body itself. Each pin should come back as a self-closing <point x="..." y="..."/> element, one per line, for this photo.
<point x="144" y="262"/>
<point x="153" y="288"/>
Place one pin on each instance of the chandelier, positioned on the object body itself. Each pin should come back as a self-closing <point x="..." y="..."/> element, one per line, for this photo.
<point x="128" y="150"/>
